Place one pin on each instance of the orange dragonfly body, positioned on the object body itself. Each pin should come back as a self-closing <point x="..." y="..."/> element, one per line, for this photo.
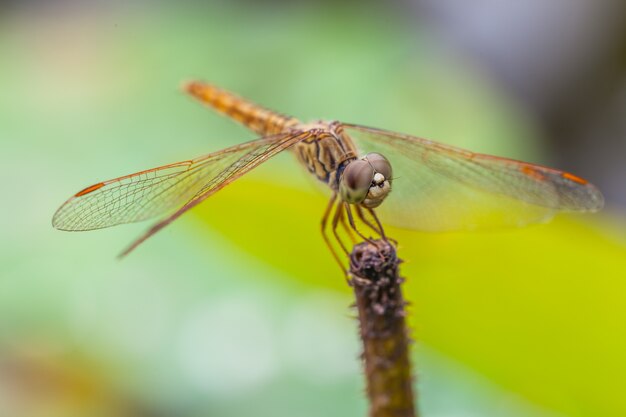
<point x="435" y="187"/>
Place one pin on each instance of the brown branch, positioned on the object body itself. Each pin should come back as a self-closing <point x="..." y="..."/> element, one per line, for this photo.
<point x="376" y="283"/>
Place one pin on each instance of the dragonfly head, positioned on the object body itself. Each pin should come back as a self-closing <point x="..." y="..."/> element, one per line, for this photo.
<point x="366" y="181"/>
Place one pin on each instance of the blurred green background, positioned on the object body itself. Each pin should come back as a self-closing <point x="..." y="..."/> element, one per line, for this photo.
<point x="237" y="308"/>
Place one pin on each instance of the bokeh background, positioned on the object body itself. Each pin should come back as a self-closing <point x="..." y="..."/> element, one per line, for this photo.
<point x="237" y="308"/>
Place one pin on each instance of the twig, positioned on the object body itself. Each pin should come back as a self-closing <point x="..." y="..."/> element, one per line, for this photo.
<point x="374" y="270"/>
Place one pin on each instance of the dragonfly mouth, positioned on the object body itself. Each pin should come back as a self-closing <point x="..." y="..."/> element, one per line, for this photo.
<point x="377" y="193"/>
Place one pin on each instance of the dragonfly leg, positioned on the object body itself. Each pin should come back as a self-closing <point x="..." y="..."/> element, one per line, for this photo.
<point x="353" y="225"/>
<point x="377" y="229"/>
<point x="336" y="220"/>
<point x="324" y="225"/>
<point x="380" y="227"/>
<point x="326" y="215"/>
<point x="347" y="228"/>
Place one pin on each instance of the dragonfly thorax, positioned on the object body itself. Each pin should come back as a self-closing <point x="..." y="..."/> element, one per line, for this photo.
<point x="366" y="181"/>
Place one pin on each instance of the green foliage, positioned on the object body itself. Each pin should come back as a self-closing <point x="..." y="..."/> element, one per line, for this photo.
<point x="539" y="312"/>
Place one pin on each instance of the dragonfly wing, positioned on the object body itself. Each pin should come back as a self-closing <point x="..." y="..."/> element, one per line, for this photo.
<point x="438" y="187"/>
<point x="156" y="191"/>
<point x="250" y="160"/>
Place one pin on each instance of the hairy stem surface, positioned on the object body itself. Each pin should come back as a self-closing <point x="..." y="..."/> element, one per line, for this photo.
<point x="381" y="308"/>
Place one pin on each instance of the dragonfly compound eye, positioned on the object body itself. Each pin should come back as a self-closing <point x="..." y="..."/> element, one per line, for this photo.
<point x="380" y="163"/>
<point x="356" y="181"/>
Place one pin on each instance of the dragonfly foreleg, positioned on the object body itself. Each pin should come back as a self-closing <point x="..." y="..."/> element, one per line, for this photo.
<point x="336" y="219"/>
<point x="353" y="225"/>
<point x="348" y="229"/>
<point x="324" y="225"/>
<point x="378" y="229"/>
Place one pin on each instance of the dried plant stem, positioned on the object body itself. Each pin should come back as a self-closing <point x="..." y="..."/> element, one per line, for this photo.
<point x="376" y="283"/>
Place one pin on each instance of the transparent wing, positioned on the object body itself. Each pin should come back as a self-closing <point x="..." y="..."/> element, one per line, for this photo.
<point x="156" y="191"/>
<point x="438" y="187"/>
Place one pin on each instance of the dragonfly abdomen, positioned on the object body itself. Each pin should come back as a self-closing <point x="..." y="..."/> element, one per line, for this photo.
<point x="257" y="118"/>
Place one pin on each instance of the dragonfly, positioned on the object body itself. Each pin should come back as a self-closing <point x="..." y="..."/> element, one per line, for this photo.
<point x="374" y="176"/>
